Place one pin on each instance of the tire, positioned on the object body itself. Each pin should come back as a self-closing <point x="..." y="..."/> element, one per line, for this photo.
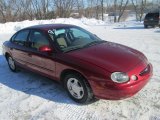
<point x="11" y="64"/>
<point x="78" y="88"/>
<point x="145" y="26"/>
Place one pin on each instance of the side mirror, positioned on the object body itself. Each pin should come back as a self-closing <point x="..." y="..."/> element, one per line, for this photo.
<point x="45" y="48"/>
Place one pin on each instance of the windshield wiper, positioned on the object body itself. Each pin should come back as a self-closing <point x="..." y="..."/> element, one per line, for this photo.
<point x="87" y="45"/>
<point x="94" y="43"/>
<point x="72" y="49"/>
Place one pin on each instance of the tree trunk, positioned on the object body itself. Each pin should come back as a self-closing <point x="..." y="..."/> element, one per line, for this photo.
<point x="102" y="10"/>
<point x="122" y="9"/>
<point x="115" y="10"/>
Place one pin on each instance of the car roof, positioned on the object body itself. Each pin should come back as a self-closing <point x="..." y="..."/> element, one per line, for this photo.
<point x="47" y="27"/>
<point x="153" y="13"/>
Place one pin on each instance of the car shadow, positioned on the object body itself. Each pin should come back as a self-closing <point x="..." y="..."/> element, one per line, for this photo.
<point x="131" y="28"/>
<point x="33" y="84"/>
<point x="157" y="31"/>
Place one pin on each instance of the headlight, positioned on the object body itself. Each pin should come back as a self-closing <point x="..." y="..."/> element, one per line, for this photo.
<point x="119" y="77"/>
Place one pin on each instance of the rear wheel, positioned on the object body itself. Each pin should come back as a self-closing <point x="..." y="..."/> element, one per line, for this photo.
<point x="145" y="26"/>
<point x="78" y="88"/>
<point x="11" y="64"/>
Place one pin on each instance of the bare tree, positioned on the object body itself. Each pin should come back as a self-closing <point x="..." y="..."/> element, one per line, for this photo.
<point x="3" y="8"/>
<point x="139" y="7"/>
<point x="90" y="8"/>
<point x="135" y="5"/>
<point x="122" y="7"/>
<point x="8" y="10"/>
<point x="64" y="7"/>
<point x="18" y="10"/>
<point x="45" y="7"/>
<point x="80" y="7"/>
<point x="115" y="10"/>
<point x="97" y="8"/>
<point x="102" y="9"/>
<point x="37" y="9"/>
<point x="24" y="9"/>
<point x="119" y="8"/>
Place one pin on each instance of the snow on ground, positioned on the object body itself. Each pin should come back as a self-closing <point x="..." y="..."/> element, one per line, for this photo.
<point x="28" y="96"/>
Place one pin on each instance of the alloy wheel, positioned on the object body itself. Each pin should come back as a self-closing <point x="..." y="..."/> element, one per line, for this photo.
<point x="75" y="88"/>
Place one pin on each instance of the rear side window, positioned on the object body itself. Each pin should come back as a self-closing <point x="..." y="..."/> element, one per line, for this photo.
<point x="21" y="37"/>
<point x="152" y="15"/>
<point x="149" y="15"/>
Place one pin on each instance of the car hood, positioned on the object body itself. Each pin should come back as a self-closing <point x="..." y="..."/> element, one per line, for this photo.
<point x="110" y="56"/>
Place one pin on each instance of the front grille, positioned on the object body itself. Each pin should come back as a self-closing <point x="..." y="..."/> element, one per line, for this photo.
<point x="145" y="71"/>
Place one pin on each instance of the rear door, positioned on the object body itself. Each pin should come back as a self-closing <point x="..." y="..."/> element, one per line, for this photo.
<point x="39" y="61"/>
<point x="19" y="49"/>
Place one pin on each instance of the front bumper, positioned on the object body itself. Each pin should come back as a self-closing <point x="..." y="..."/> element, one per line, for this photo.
<point x="151" y="23"/>
<point x="105" y="90"/>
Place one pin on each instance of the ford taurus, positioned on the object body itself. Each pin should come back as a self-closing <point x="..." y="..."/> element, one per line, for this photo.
<point x="85" y="65"/>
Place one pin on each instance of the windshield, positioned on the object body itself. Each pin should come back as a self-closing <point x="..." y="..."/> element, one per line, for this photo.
<point x="72" y="38"/>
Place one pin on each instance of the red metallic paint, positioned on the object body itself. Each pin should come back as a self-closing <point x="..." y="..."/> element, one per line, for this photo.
<point x="117" y="91"/>
<point x="95" y="63"/>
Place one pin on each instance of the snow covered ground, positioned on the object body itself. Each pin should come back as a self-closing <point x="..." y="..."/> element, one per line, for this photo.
<point x="28" y="96"/>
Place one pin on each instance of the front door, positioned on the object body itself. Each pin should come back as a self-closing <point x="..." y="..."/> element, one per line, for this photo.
<point x="39" y="61"/>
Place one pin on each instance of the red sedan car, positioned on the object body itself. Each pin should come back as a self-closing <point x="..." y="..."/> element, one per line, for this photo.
<point x="87" y="66"/>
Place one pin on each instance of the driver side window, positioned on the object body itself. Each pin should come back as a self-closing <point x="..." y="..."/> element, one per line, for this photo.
<point x="37" y="39"/>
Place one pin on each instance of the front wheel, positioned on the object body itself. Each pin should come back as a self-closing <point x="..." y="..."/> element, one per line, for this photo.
<point x="11" y="64"/>
<point x="78" y="88"/>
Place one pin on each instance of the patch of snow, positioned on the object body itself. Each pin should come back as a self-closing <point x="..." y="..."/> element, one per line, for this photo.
<point x="26" y="95"/>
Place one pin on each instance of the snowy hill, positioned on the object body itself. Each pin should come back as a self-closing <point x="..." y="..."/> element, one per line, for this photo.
<point x="12" y="27"/>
